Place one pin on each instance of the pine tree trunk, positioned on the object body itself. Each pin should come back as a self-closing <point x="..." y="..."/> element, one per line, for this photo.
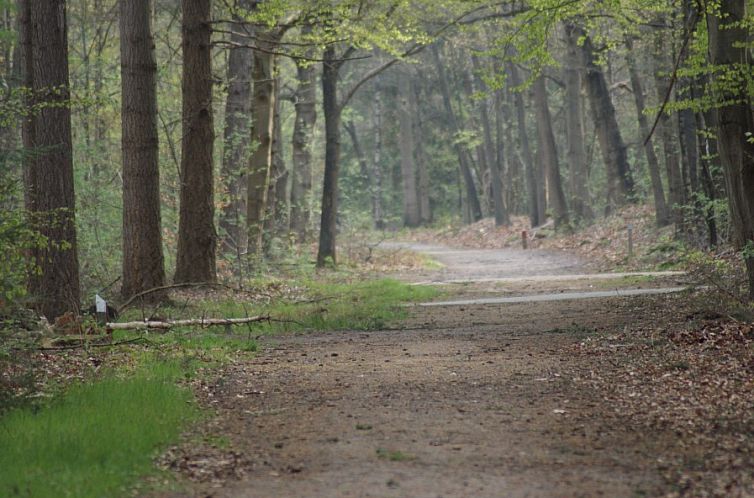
<point x="735" y="123"/>
<point x="425" y="209"/>
<point x="303" y="131"/>
<point x="326" y="252"/>
<point x="236" y="141"/>
<point x="662" y="216"/>
<point x="376" y="170"/>
<point x="143" y="264"/>
<point x="260" y="162"/>
<point x="549" y="156"/>
<point x="197" y="239"/>
<point x="411" y="215"/>
<point x="619" y="182"/>
<point x="48" y="176"/>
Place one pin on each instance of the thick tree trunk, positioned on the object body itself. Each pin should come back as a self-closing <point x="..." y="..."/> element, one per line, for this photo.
<point x="662" y="216"/>
<point x="277" y="220"/>
<point x="619" y="182"/>
<point x="326" y="253"/>
<point x="260" y="162"/>
<point x="48" y="174"/>
<point x="576" y="154"/>
<point x="735" y="122"/>
<point x="236" y="141"/>
<point x="303" y="131"/>
<point x="548" y="154"/>
<point x="493" y="160"/>
<point x="536" y="212"/>
<point x="472" y="198"/>
<point x="197" y="239"/>
<point x="406" y="145"/>
<point x="143" y="265"/>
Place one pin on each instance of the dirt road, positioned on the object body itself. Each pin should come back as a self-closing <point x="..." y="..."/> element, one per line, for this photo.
<point x="457" y="401"/>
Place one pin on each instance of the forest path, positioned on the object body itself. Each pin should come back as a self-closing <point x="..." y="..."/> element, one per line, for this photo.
<point x="455" y="401"/>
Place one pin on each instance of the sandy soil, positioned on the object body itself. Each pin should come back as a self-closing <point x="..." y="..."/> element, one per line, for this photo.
<point x="478" y="400"/>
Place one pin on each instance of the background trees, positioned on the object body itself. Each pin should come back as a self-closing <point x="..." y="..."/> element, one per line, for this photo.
<point x="453" y="112"/>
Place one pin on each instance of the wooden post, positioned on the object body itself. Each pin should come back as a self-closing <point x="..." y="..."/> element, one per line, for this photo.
<point x="630" y="241"/>
<point x="524" y="239"/>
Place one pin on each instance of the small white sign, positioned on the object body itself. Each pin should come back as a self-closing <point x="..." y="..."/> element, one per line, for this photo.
<point x="100" y="304"/>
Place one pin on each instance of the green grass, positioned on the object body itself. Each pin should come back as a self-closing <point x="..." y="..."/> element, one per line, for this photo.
<point x="96" y="439"/>
<point x="394" y="456"/>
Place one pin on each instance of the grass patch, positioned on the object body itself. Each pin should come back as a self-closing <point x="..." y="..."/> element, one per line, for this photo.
<point x="96" y="439"/>
<point x="394" y="456"/>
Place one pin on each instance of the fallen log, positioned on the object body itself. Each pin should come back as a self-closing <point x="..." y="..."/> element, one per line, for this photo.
<point x="202" y="322"/>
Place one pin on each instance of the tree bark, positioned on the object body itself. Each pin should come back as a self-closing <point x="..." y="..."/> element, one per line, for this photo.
<point x="303" y="131"/>
<point x="662" y="216"/>
<point x="376" y="170"/>
<point x="143" y="263"/>
<point x="197" y="239"/>
<point x="735" y="122"/>
<point x="536" y="212"/>
<point x="236" y="140"/>
<point x="493" y="160"/>
<point x="425" y="208"/>
<point x="50" y="199"/>
<point x="326" y="252"/>
<point x="576" y="154"/>
<point x="260" y="162"/>
<point x="468" y="178"/>
<point x="619" y="182"/>
<point x="548" y="154"/>
<point x="406" y="145"/>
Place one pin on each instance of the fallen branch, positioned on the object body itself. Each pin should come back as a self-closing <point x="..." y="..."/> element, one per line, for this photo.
<point x="202" y="322"/>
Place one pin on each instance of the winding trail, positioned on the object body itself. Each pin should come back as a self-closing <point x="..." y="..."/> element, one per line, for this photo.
<point x="481" y="400"/>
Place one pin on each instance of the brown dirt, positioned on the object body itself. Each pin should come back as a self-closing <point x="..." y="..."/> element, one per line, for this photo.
<point x="484" y="401"/>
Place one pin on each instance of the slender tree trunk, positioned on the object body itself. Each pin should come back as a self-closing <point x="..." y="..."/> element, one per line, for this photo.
<point x="667" y="134"/>
<point x="425" y="209"/>
<point x="279" y="219"/>
<point x="50" y="199"/>
<point x="411" y="215"/>
<point x="620" y="184"/>
<point x="576" y="155"/>
<point x="662" y="216"/>
<point x="260" y="162"/>
<point x="549" y="155"/>
<point x="326" y="253"/>
<point x="143" y="265"/>
<point x="303" y="131"/>
<point x="536" y="217"/>
<point x="236" y="140"/>
<point x="197" y="239"/>
<point x="376" y="178"/>
<point x="728" y="38"/>
<point x="468" y="178"/>
<point x="493" y="160"/>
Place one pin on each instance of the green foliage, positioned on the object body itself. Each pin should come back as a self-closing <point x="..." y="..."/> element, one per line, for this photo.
<point x="95" y="439"/>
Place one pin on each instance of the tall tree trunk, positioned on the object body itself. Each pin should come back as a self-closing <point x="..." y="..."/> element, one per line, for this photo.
<point x="668" y="134"/>
<point x="48" y="176"/>
<point x="576" y="155"/>
<point x="536" y="212"/>
<point x="468" y="178"/>
<point x="425" y="209"/>
<point x="548" y="154"/>
<point x="495" y="166"/>
<point x="620" y="185"/>
<point x="303" y="131"/>
<point x="236" y="140"/>
<point x="277" y="222"/>
<point x="728" y="38"/>
<point x="662" y="216"/>
<point x="260" y="162"/>
<point x="411" y="215"/>
<point x="143" y="265"/>
<point x="197" y="238"/>
<point x="376" y="176"/>
<point x="326" y="252"/>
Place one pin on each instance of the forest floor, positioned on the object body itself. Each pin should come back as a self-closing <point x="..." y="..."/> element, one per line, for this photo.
<point x="613" y="396"/>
